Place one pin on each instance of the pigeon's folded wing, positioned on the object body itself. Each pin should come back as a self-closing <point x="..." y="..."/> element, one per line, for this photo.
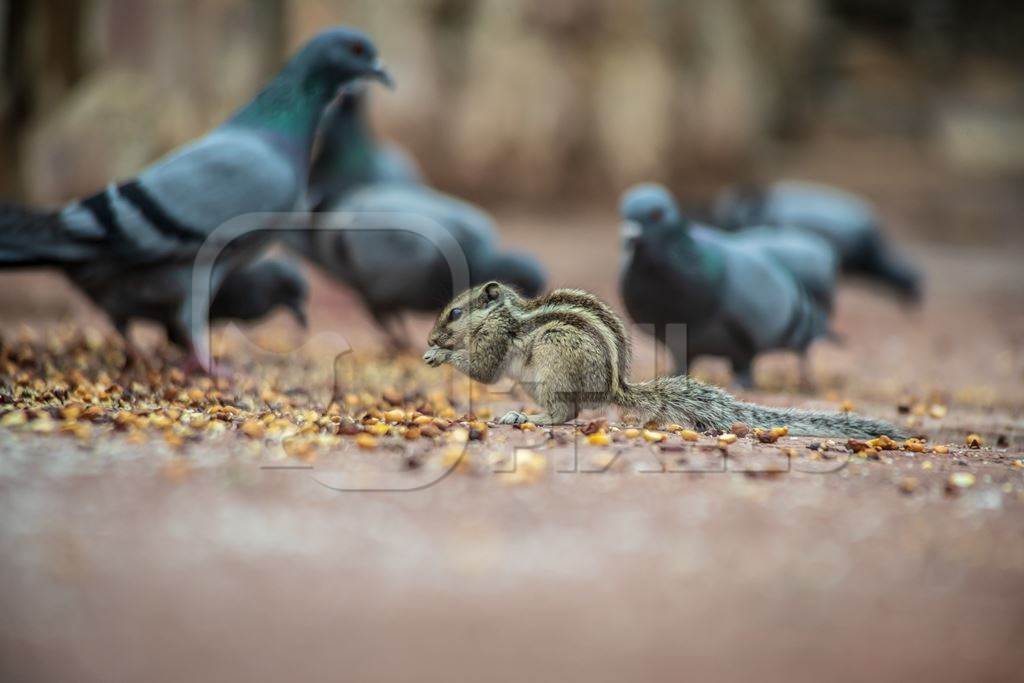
<point x="176" y="204"/>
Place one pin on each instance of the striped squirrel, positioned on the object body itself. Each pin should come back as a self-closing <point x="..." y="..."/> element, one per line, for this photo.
<point x="569" y="351"/>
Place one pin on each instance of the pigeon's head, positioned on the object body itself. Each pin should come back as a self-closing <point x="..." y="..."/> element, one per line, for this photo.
<point x="341" y="55"/>
<point x="519" y="270"/>
<point x="482" y="307"/>
<point x="286" y="287"/>
<point x="647" y="209"/>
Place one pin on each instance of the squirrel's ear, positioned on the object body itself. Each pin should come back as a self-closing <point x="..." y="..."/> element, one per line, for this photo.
<point x="492" y="290"/>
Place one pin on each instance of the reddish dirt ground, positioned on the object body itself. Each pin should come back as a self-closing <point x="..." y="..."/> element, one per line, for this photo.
<point x="118" y="564"/>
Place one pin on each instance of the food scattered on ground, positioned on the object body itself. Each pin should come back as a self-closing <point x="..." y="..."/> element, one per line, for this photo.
<point x="71" y="387"/>
<point x="652" y="436"/>
<point x="770" y="435"/>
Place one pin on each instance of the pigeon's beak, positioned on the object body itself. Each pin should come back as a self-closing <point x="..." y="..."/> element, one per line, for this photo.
<point x="380" y="72"/>
<point x="630" y="231"/>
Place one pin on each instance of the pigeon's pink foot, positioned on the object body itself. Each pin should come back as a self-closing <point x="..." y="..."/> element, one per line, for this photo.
<point x="215" y="371"/>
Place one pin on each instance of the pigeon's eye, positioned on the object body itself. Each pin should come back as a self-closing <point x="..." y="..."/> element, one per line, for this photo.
<point x="455" y="314"/>
<point x="357" y="49"/>
<point x="656" y="215"/>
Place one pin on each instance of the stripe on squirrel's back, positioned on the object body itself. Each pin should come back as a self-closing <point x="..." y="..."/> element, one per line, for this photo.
<point x="580" y="319"/>
<point x="600" y="314"/>
<point x="596" y="307"/>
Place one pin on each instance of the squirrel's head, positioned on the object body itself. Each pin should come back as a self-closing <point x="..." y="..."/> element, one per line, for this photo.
<point x="466" y="314"/>
<point x="647" y="209"/>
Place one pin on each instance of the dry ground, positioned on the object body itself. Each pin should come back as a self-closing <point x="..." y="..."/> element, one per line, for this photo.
<point x="151" y="545"/>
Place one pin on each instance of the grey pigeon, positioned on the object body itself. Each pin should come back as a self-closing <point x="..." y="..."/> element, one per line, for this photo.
<point x="848" y="222"/>
<point x="247" y="294"/>
<point x="735" y="300"/>
<point x="390" y="257"/>
<point x="147" y="231"/>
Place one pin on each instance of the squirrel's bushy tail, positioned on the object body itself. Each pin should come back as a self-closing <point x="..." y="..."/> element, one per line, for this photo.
<point x="689" y="402"/>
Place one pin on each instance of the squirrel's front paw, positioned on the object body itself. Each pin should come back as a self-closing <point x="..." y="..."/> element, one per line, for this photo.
<point x="435" y="356"/>
<point x="513" y="417"/>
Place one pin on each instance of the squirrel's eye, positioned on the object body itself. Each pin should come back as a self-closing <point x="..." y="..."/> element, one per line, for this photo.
<point x="455" y="314"/>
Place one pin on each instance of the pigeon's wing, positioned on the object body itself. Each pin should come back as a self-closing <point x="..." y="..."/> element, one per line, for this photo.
<point x="175" y="204"/>
<point x="806" y="256"/>
<point x="841" y="217"/>
<point x="400" y="241"/>
<point x="411" y="215"/>
<point x="764" y="305"/>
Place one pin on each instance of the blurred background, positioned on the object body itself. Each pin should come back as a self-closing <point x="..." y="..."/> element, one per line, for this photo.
<point x="918" y="104"/>
<point x="124" y="561"/>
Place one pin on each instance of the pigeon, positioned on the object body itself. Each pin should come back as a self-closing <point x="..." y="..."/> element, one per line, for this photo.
<point x="393" y="252"/>
<point x="848" y="222"/>
<point x="133" y="245"/>
<point x="735" y="299"/>
<point x="247" y="294"/>
<point x="391" y="255"/>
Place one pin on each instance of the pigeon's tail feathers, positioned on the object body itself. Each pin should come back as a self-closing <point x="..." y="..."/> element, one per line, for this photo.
<point x="684" y="400"/>
<point x="896" y="272"/>
<point x="887" y="265"/>
<point x="31" y="237"/>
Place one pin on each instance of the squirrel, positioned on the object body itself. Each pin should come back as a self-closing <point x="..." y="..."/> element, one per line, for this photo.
<point x="569" y="351"/>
